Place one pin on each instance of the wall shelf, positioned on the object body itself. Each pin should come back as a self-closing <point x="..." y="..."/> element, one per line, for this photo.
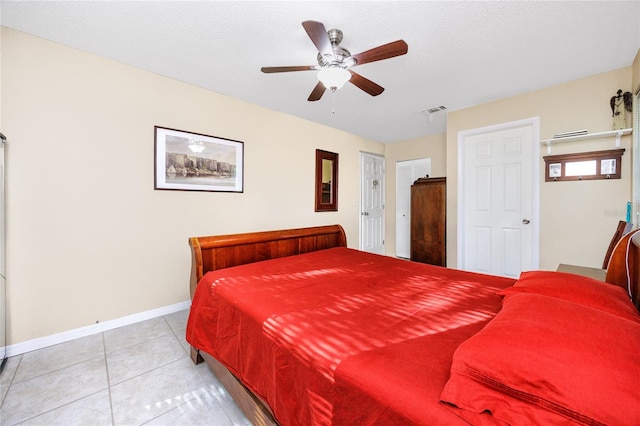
<point x="617" y="133"/>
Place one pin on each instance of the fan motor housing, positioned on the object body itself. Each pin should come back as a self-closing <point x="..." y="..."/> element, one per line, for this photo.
<point x="342" y="57"/>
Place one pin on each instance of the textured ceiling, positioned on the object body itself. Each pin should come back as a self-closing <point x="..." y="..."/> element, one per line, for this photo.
<point x="460" y="53"/>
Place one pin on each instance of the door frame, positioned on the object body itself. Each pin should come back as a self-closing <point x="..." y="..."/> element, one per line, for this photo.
<point x="534" y="122"/>
<point x="414" y="176"/>
<point x="361" y="207"/>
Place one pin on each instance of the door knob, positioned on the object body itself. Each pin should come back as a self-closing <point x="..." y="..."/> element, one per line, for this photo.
<point x="365" y="213"/>
<point x="526" y="221"/>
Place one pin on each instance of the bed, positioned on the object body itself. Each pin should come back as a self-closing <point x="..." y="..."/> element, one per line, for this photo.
<point x="302" y="330"/>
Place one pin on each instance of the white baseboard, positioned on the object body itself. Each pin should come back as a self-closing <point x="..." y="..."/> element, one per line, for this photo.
<point x="54" y="339"/>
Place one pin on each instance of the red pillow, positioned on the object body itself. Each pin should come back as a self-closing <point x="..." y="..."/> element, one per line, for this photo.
<point x="577" y="289"/>
<point x="543" y="360"/>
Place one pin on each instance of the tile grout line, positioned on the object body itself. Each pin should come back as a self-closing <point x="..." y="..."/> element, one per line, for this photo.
<point x="106" y="366"/>
<point x="52" y="371"/>
<point x="55" y="408"/>
<point x="13" y="377"/>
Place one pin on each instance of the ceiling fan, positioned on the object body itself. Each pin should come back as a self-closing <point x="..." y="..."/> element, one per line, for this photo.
<point x="335" y="62"/>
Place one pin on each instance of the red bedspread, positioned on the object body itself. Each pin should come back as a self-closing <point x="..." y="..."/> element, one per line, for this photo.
<point x="340" y="336"/>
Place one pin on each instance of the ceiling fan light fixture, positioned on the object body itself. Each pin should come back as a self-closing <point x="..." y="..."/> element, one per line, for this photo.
<point x="334" y="77"/>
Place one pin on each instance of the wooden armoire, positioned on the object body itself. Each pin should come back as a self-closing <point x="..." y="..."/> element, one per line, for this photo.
<point x="428" y="221"/>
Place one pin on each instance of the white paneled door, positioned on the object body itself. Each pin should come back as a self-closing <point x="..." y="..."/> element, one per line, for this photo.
<point x="498" y="199"/>
<point x="372" y="203"/>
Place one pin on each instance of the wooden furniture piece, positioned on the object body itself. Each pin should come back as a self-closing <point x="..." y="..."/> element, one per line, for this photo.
<point x="624" y="266"/>
<point x="212" y="253"/>
<point x="224" y="251"/>
<point x="428" y="220"/>
<point x="218" y="252"/>
<point x="600" y="274"/>
<point x="585" y="271"/>
<point x="623" y="229"/>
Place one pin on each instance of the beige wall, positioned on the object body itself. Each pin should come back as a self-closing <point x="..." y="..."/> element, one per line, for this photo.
<point x="636" y="74"/>
<point x="433" y="147"/>
<point x="89" y="239"/>
<point x="577" y="219"/>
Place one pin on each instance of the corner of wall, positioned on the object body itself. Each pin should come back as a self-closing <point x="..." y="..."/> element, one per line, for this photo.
<point x="635" y="74"/>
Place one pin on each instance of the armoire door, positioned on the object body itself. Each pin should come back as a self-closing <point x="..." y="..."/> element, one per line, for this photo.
<point x="428" y="221"/>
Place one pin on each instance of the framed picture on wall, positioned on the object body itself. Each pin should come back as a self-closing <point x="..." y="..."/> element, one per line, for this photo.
<point x="188" y="161"/>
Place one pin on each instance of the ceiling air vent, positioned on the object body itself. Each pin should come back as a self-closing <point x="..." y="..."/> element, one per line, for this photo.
<point x="436" y="109"/>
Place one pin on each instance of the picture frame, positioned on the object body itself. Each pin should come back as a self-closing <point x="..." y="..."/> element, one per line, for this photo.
<point x="591" y="165"/>
<point x="187" y="161"/>
<point x="326" y="196"/>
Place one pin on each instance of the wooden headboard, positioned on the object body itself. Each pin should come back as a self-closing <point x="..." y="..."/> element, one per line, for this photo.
<point x="624" y="265"/>
<point x="224" y="251"/>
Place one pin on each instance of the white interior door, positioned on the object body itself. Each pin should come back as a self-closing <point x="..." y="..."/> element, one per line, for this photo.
<point x="372" y="203"/>
<point x="406" y="173"/>
<point x="498" y="233"/>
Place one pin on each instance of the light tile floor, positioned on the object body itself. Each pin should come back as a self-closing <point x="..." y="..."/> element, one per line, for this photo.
<point x="140" y="374"/>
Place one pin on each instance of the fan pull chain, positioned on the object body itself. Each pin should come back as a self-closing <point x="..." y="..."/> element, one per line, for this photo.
<point x="333" y="102"/>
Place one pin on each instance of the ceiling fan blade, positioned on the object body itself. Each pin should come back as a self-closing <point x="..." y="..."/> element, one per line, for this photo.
<point x="365" y="84"/>
<point x="288" y="69"/>
<point x="317" y="92"/>
<point x="386" y="51"/>
<point x="318" y="35"/>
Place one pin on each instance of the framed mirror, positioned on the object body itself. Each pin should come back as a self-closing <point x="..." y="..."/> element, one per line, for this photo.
<point x="326" y="181"/>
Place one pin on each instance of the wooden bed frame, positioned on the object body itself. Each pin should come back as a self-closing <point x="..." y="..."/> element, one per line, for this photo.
<point x="224" y="251"/>
<point x="218" y="252"/>
<point x="624" y="265"/>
